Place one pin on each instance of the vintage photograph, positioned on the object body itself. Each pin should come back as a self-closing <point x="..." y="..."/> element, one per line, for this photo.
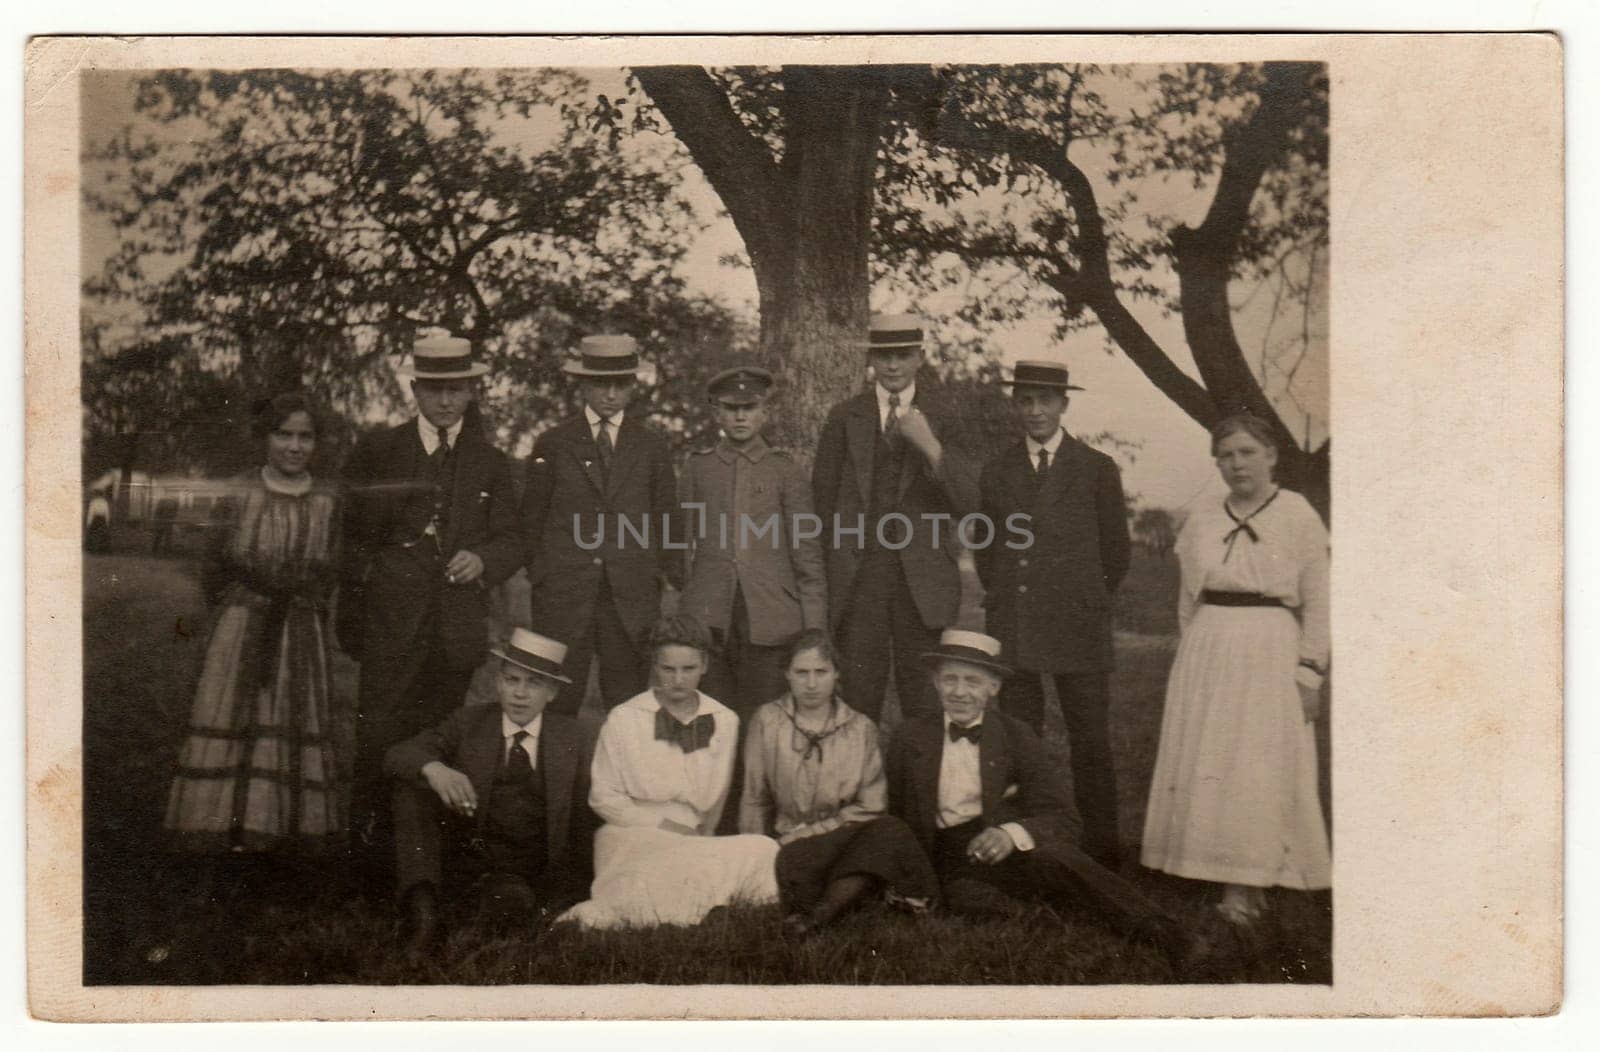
<point x="707" y="524"/>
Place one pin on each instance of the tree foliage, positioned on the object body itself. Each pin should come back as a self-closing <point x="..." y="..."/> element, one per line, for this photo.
<point x="285" y="227"/>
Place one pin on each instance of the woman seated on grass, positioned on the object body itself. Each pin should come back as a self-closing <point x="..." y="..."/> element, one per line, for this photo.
<point x="660" y="778"/>
<point x="813" y="777"/>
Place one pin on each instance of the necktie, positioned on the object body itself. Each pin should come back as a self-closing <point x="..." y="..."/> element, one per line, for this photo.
<point x="1044" y="461"/>
<point x="891" y="422"/>
<point x="973" y="734"/>
<point x="603" y="440"/>
<point x="517" y="757"/>
<point x="696" y="734"/>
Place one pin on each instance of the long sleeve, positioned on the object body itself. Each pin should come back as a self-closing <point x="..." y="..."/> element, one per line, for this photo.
<point x="1112" y="512"/>
<point x="665" y="511"/>
<point x="608" y="792"/>
<point x="537" y="487"/>
<point x="441" y="743"/>
<point x="502" y="553"/>
<point x="1188" y="573"/>
<point x="827" y="470"/>
<point x="989" y="504"/>
<point x="811" y="577"/>
<point x="1313" y="541"/>
<point x="872" y="798"/>
<point x="755" y="799"/>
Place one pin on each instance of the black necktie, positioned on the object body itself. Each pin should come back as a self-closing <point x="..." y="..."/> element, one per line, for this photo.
<point x="696" y="734"/>
<point x="891" y="422"/>
<point x="1044" y="461"/>
<point x="517" y="759"/>
<point x="973" y="734"/>
<point x="603" y="441"/>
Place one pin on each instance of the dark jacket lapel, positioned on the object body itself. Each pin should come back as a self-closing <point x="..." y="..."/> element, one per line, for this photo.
<point x="862" y="431"/>
<point x="925" y="750"/>
<point x="480" y="755"/>
<point x="629" y="452"/>
<point x="470" y="446"/>
<point x="1063" y="469"/>
<point x="558" y="758"/>
<point x="579" y="441"/>
<point x="994" y="767"/>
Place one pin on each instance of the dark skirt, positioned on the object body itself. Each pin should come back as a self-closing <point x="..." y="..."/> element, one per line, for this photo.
<point x="884" y="848"/>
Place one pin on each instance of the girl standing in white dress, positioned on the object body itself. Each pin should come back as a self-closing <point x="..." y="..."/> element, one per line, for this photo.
<point x="1234" y="795"/>
<point x="662" y="769"/>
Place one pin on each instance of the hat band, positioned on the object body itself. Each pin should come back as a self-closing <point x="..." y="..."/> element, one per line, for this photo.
<point x="518" y="656"/>
<point x="611" y="363"/>
<point x="893" y="336"/>
<point x="957" y="652"/>
<point x="1024" y="374"/>
<point x="452" y="363"/>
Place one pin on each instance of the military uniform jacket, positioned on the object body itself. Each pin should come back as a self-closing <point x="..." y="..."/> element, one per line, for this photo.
<point x="1049" y="604"/>
<point x="842" y="488"/>
<point x="470" y="741"/>
<point x="570" y="527"/>
<point x="393" y="577"/>
<point x="784" y="586"/>
<point x="1019" y="780"/>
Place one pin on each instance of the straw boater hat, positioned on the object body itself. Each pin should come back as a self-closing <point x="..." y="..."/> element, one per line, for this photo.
<point x="607" y="355"/>
<point x="440" y="356"/>
<point x="972" y="648"/>
<point x="1034" y="372"/>
<point x="535" y="653"/>
<point x="741" y="385"/>
<point x="886" y="332"/>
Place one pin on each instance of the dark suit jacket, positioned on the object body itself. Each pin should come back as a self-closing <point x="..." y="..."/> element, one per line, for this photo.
<point x="563" y="485"/>
<point x="841" y="483"/>
<point x="1019" y="780"/>
<point x="470" y="741"/>
<point x="388" y="589"/>
<point x="1050" y="604"/>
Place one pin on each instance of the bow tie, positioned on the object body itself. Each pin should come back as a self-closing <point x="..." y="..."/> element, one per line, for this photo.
<point x="973" y="734"/>
<point x="1243" y="525"/>
<point x="696" y="734"/>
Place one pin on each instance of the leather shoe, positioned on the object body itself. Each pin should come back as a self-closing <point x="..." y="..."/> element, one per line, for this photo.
<point x="421" y="925"/>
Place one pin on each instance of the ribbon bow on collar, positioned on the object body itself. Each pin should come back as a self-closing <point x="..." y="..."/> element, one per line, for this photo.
<point x="813" y="739"/>
<point x="973" y="734"/>
<point x="1243" y="525"/>
<point x="696" y="734"/>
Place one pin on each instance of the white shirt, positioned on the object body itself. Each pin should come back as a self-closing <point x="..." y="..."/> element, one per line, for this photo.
<point x="612" y="423"/>
<point x="430" y="434"/>
<point x="1049" y="447"/>
<point x="509" y="729"/>
<point x="636" y="780"/>
<point x="961" y="788"/>
<point x="906" y="397"/>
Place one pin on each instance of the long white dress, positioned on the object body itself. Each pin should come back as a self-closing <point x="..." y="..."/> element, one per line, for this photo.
<point x="1234" y="795"/>
<point x="646" y="875"/>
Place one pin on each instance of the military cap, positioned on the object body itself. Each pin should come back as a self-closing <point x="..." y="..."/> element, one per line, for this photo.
<point x="741" y="385"/>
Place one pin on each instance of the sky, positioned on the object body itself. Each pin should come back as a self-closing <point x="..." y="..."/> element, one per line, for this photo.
<point x="1170" y="467"/>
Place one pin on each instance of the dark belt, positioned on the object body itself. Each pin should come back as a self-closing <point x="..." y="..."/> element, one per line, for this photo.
<point x="1211" y="598"/>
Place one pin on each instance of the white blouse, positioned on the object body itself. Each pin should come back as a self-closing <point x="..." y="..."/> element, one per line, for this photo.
<point x="1288" y="560"/>
<point x="637" y="780"/>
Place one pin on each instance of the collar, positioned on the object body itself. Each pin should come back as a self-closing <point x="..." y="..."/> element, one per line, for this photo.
<point x="948" y="721"/>
<point x="507" y="728"/>
<point x="907" y="397"/>
<point x="754" y="451"/>
<point x="430" y="434"/>
<point x="1049" y="447"/>
<point x="648" y="702"/>
<point x="594" y="419"/>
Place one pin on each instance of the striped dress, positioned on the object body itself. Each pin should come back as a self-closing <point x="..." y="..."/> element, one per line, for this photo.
<point x="258" y="770"/>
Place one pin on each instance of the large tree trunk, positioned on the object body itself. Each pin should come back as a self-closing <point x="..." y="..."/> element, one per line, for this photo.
<point x="805" y="219"/>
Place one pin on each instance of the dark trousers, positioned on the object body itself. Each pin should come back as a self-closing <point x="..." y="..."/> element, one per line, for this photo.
<point x="1061" y="874"/>
<point x="882" y="627"/>
<point x="431" y="841"/>
<point x="1085" y="706"/>
<point x="433" y="690"/>
<point x="743" y="676"/>
<point x="624" y="670"/>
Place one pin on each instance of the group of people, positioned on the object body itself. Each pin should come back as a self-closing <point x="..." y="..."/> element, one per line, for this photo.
<point x="739" y="759"/>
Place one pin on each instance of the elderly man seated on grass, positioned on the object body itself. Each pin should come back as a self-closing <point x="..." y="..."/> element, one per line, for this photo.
<point x="980" y="792"/>
<point x="496" y="795"/>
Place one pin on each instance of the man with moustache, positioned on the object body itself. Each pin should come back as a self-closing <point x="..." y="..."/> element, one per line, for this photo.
<point x="1049" y="603"/>
<point x="890" y="488"/>
<point x="601" y="531"/>
<point x="429" y="527"/>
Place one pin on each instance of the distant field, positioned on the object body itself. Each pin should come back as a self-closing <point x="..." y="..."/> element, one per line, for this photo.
<point x="144" y="628"/>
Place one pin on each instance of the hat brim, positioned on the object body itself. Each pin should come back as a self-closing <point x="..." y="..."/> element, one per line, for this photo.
<point x="471" y="372"/>
<point x="898" y="345"/>
<point x="578" y="369"/>
<point x="1042" y="383"/>
<point x="966" y="657"/>
<point x="546" y="673"/>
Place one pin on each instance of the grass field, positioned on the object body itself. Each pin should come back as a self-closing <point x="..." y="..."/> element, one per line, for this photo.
<point x="144" y="631"/>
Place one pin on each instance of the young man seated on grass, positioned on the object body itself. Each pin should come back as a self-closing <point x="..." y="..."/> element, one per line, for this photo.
<point x="978" y="789"/>
<point x="498" y="797"/>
